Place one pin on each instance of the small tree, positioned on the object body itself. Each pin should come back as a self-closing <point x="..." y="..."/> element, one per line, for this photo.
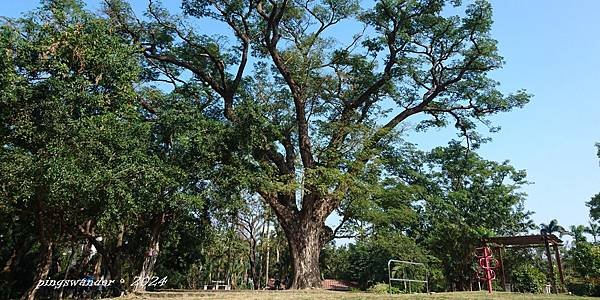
<point x="577" y="231"/>
<point x="594" y="230"/>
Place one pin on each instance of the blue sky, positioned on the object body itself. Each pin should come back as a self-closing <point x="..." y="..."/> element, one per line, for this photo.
<point x="551" y="49"/>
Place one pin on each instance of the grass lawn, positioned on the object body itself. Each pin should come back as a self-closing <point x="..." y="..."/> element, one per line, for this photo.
<point x="322" y="294"/>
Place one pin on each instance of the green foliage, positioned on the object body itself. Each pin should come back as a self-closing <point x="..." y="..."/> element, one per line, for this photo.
<point x="382" y="288"/>
<point x="84" y="143"/>
<point x="89" y="148"/>
<point x="447" y="201"/>
<point x="309" y="113"/>
<point x="70" y="135"/>
<point x="66" y="93"/>
<point x="585" y="257"/>
<point x="453" y="199"/>
<point x="335" y="262"/>
<point x="593" y="229"/>
<point x="553" y="227"/>
<point x="577" y="232"/>
<point x="528" y="279"/>
<point x="473" y="199"/>
<point x="516" y="258"/>
<point x="594" y="205"/>
<point x="584" y="289"/>
<point x="585" y="260"/>
<point x="368" y="258"/>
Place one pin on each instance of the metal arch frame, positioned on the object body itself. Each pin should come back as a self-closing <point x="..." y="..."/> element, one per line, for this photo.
<point x="405" y="280"/>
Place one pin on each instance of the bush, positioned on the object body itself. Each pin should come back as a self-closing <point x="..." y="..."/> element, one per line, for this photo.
<point x="528" y="279"/>
<point x="584" y="259"/>
<point x="383" y="288"/>
<point x="584" y="289"/>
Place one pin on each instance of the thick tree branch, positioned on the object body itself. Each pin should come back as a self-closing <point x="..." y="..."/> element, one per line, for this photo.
<point x="286" y="213"/>
<point x="271" y="36"/>
<point x="364" y="97"/>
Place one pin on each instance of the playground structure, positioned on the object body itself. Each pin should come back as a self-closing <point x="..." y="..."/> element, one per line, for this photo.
<point x="407" y="281"/>
<point x="486" y="264"/>
<point x="499" y="245"/>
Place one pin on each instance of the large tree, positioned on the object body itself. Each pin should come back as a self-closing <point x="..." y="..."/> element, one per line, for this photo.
<point x="314" y="110"/>
<point x="82" y="157"/>
<point x="65" y="82"/>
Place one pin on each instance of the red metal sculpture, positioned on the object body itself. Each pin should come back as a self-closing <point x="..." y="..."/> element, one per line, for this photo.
<point x="487" y="264"/>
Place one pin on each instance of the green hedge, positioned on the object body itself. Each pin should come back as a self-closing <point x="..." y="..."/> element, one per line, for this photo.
<point x="584" y="289"/>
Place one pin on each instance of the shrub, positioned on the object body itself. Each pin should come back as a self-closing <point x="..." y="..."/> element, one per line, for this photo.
<point x="383" y="288"/>
<point x="584" y="259"/>
<point x="528" y="279"/>
<point x="584" y="288"/>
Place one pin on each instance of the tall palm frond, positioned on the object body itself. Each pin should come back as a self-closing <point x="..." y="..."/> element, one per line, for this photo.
<point x="594" y="230"/>
<point x="553" y="227"/>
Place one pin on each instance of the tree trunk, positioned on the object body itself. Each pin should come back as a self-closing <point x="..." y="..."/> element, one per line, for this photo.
<point x="151" y="254"/>
<point x="228" y="264"/>
<point x="43" y="268"/>
<point x="266" y="240"/>
<point x="252" y="260"/>
<point x="97" y="270"/>
<point x="21" y="248"/>
<point x="305" y="231"/>
<point x="45" y="255"/>
<point x="83" y="264"/>
<point x="305" y="247"/>
<point x="115" y="257"/>
<point x="262" y="257"/>
<point x="68" y="268"/>
<point x="8" y="266"/>
<point x="147" y="266"/>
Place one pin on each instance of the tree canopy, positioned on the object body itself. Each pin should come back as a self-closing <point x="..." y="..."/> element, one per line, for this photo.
<point x="313" y="107"/>
<point x="131" y="142"/>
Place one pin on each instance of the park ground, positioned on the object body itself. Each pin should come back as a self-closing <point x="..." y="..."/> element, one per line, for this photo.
<point x="322" y="294"/>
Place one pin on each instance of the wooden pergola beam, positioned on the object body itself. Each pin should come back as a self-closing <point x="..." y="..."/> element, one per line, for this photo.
<point x="531" y="241"/>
